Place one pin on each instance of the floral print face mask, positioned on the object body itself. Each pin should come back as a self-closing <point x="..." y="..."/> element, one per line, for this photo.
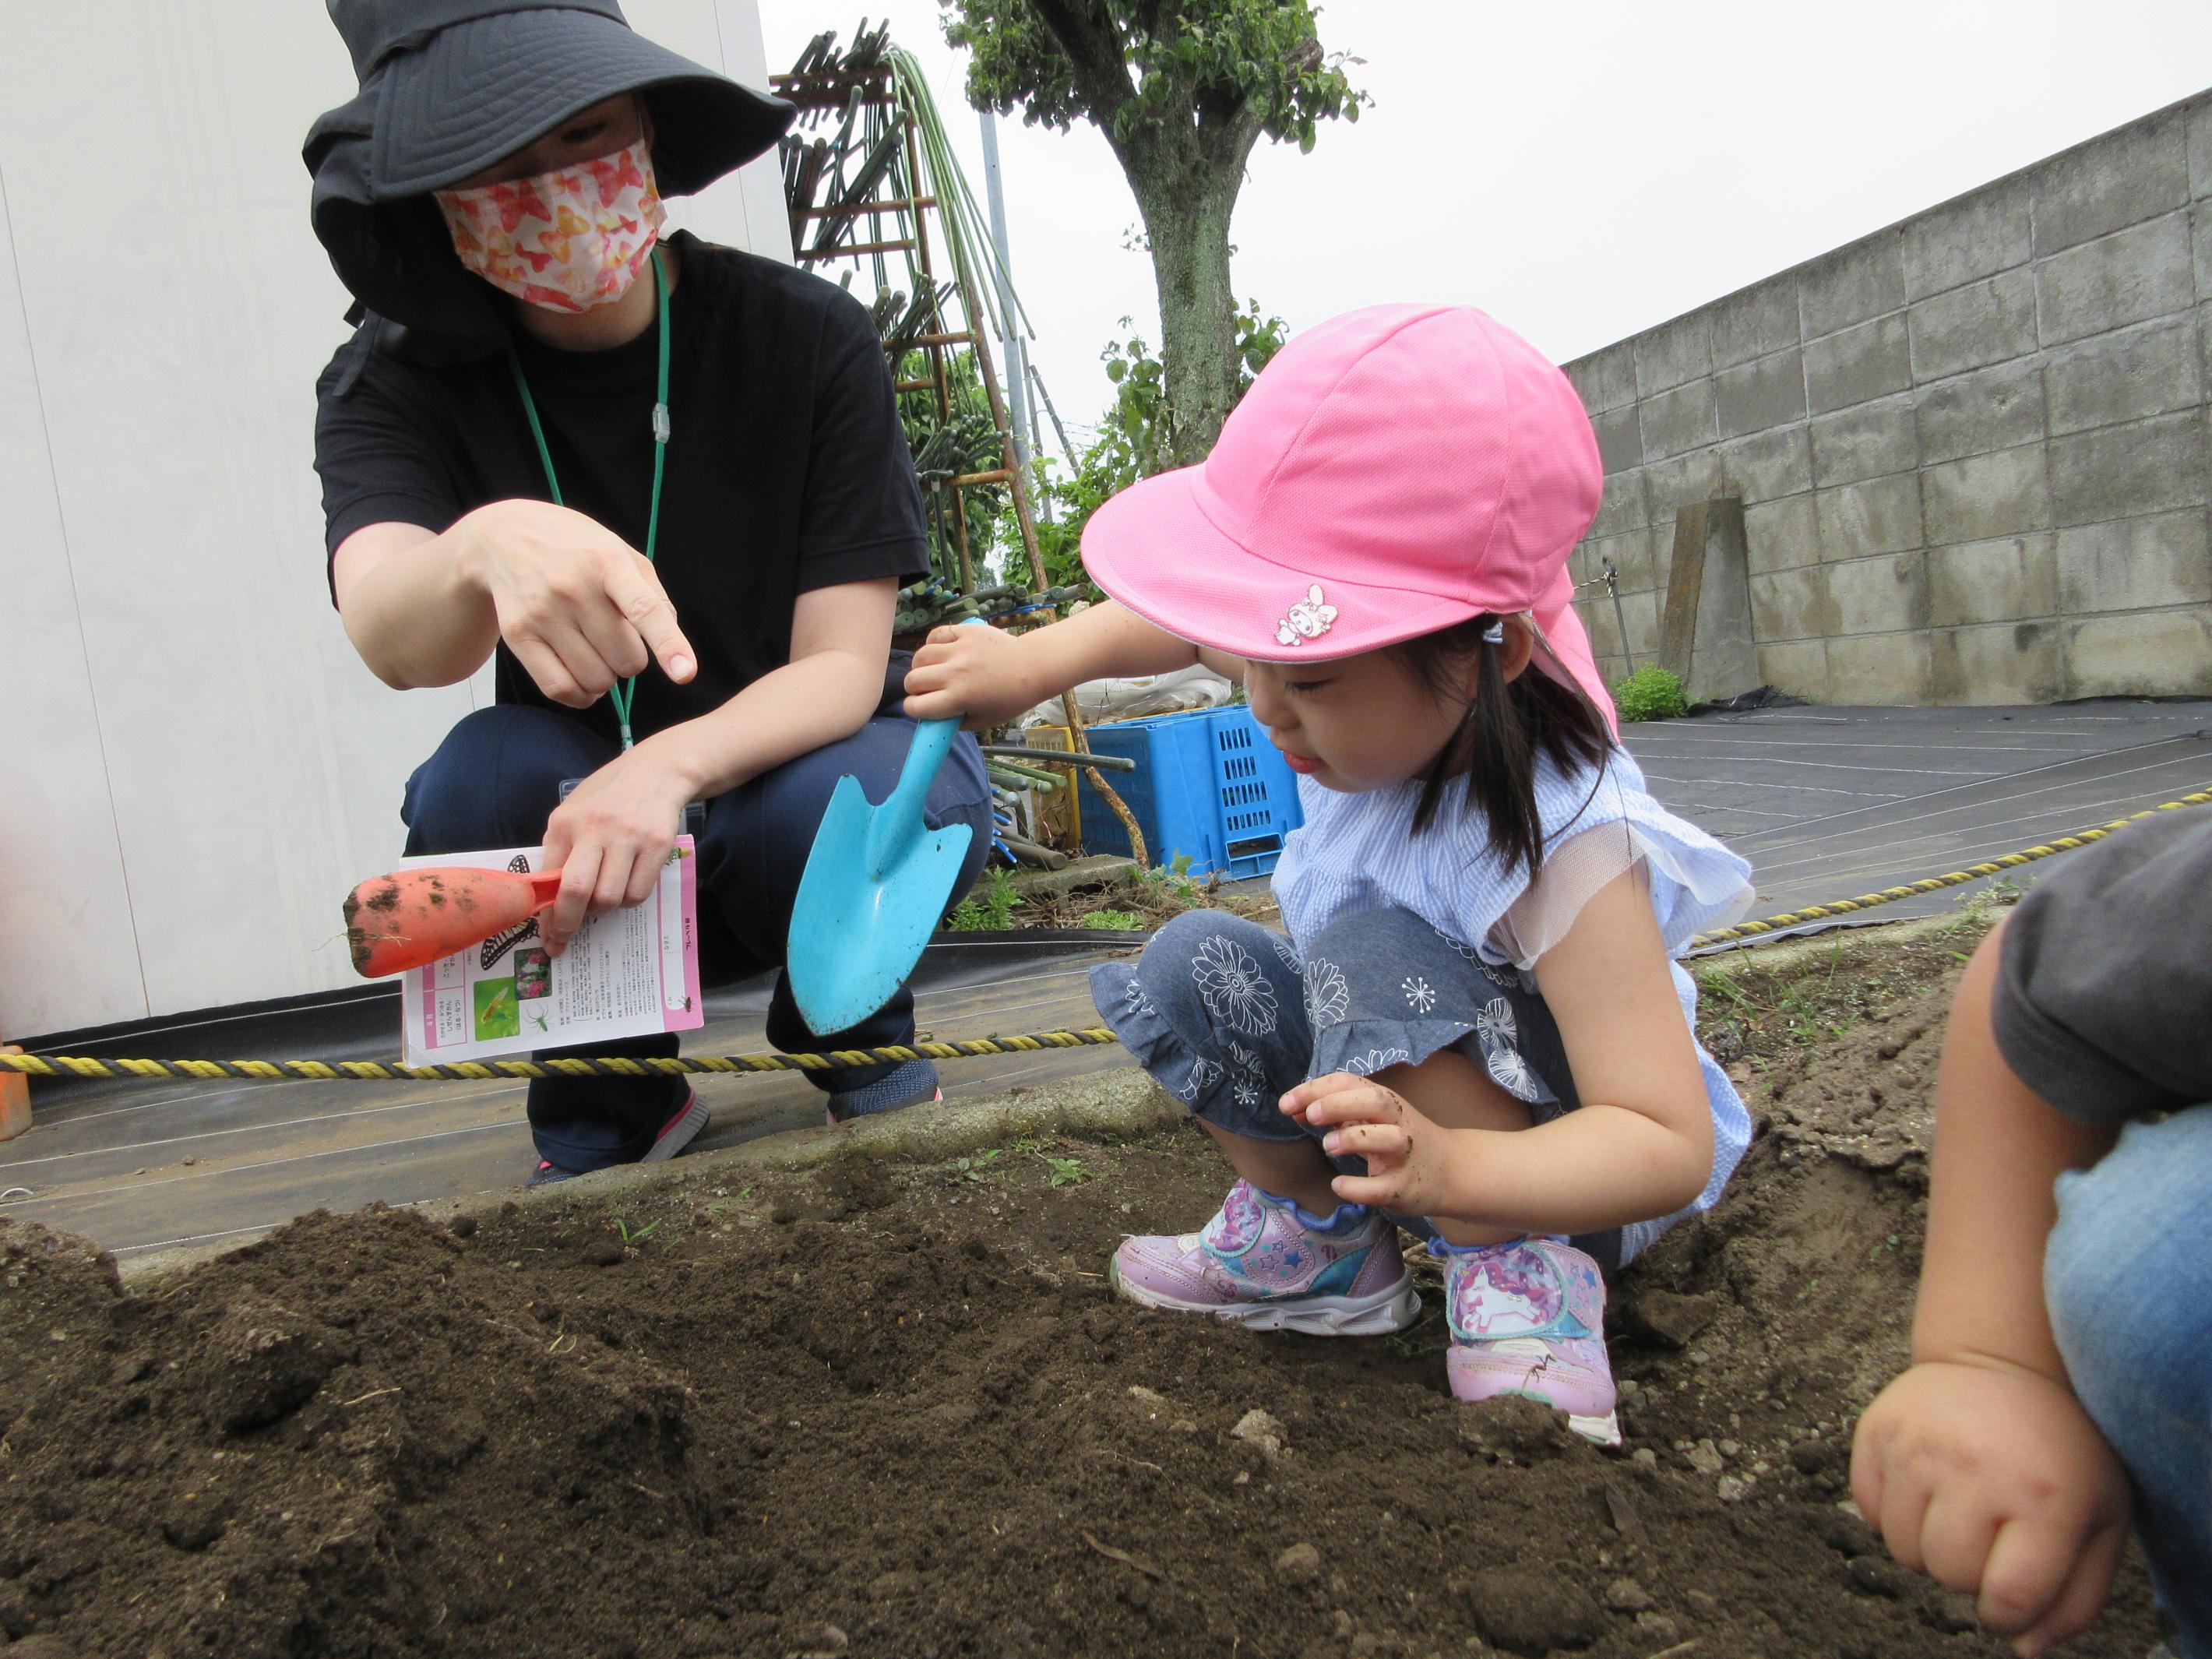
<point x="568" y="239"/>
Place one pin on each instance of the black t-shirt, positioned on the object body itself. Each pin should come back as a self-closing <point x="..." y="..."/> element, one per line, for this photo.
<point x="2103" y="1003"/>
<point x="787" y="468"/>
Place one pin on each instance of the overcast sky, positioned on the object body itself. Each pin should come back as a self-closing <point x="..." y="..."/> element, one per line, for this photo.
<point x="1582" y="172"/>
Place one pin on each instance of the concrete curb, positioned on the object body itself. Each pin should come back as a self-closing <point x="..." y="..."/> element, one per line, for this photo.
<point x="1099" y="1106"/>
<point x="1779" y="956"/>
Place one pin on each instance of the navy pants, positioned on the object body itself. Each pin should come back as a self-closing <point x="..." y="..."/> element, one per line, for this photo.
<point x="496" y="778"/>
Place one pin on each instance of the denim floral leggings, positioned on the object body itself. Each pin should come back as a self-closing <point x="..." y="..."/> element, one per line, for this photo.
<point x="1225" y="1017"/>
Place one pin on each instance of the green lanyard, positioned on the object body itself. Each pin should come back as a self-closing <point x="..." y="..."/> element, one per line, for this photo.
<point x="624" y="696"/>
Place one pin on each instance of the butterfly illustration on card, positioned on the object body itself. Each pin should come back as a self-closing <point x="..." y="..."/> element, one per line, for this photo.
<point x="500" y="944"/>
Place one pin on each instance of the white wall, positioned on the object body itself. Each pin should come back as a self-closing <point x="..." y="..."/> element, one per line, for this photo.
<point x="197" y="766"/>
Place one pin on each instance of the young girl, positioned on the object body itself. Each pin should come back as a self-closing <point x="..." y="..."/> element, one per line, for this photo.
<point x="1475" y="1030"/>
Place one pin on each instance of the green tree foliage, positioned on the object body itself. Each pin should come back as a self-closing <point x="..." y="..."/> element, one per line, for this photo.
<point x="1182" y="93"/>
<point x="1138" y="436"/>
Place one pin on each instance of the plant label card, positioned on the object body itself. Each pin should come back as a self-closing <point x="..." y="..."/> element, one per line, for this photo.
<point x="633" y="972"/>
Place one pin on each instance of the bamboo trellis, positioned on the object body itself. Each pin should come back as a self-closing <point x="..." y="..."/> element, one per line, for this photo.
<point x="868" y="177"/>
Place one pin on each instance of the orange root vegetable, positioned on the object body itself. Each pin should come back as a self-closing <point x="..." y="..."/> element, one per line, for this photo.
<point x="412" y="918"/>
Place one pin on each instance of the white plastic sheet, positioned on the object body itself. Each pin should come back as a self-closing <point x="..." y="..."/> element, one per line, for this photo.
<point x="1195" y="687"/>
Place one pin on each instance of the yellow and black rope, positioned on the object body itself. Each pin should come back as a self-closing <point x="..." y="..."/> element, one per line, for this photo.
<point x="481" y="1071"/>
<point x="493" y="1071"/>
<point x="1937" y="883"/>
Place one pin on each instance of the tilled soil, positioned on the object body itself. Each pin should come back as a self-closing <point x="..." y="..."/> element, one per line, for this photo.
<point x="886" y="1410"/>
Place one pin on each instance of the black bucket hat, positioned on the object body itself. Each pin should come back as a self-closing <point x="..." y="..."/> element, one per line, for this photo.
<point x="448" y="88"/>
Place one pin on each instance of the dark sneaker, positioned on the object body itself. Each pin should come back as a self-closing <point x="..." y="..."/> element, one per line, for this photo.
<point x="913" y="1084"/>
<point x="680" y="1131"/>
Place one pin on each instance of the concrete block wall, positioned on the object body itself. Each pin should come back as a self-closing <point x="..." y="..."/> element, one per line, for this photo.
<point x="1974" y="449"/>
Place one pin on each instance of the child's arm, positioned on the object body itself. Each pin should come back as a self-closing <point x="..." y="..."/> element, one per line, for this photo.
<point x="1641" y="1145"/>
<point x="1977" y="1464"/>
<point x="988" y="677"/>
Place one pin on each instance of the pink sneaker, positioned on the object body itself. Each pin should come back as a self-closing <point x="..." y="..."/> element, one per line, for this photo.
<point x="1527" y="1318"/>
<point x="1259" y="1264"/>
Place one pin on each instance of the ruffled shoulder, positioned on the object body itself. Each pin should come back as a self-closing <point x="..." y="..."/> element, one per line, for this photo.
<point x="1359" y="851"/>
<point x="1697" y="883"/>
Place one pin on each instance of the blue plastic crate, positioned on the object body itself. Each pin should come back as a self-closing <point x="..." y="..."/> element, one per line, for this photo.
<point x="1208" y="784"/>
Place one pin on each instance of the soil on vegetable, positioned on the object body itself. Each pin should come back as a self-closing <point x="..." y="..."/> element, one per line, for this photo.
<point x="892" y="1410"/>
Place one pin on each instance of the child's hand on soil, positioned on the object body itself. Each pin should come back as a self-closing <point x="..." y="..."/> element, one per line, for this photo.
<point x="1407" y="1168"/>
<point x="1995" y="1482"/>
<point x="976" y="674"/>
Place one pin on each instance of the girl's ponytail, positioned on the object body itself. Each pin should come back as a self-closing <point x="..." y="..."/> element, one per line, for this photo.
<point x="1507" y="725"/>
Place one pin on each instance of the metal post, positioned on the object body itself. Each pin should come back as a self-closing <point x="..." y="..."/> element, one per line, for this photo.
<point x="1037" y="385"/>
<point x="1619" y="616"/>
<point x="1017" y="357"/>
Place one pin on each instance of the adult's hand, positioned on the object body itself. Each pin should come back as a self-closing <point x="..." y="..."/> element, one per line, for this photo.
<point x="581" y="608"/>
<point x="611" y="836"/>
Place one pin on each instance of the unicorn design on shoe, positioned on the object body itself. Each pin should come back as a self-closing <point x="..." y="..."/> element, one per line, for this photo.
<point x="1266" y="1264"/>
<point x="1527" y="1318"/>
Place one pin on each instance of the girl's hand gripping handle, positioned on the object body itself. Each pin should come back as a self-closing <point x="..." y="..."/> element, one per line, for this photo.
<point x="974" y="674"/>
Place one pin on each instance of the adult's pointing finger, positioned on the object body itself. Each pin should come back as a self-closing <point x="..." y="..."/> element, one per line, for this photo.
<point x="636" y="592"/>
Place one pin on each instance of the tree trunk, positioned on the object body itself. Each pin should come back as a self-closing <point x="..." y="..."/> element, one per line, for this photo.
<point x="1186" y="218"/>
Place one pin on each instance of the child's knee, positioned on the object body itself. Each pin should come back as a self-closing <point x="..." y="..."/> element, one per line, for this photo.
<point x="1178" y="938"/>
<point x="2126" y="1276"/>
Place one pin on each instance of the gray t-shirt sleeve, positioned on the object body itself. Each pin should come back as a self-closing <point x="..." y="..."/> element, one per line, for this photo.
<point x="2103" y="997"/>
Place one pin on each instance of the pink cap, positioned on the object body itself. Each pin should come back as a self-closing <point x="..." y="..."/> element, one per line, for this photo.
<point x="1391" y="472"/>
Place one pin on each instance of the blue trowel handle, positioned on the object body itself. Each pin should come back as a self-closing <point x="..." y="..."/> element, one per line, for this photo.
<point x="899" y="819"/>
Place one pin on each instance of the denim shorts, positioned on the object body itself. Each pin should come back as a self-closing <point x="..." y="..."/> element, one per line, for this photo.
<point x="1223" y="1015"/>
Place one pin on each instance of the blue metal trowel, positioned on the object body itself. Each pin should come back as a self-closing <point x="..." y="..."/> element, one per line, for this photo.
<point x="875" y="884"/>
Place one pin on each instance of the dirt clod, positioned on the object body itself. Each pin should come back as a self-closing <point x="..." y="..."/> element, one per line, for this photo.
<point x="1262" y="1429"/>
<point x="1299" y="1565"/>
<point x="1532" y="1612"/>
<point x="1877" y="1575"/>
<point x="1705" y="1457"/>
<point x="1662" y="1317"/>
<point x="1951" y="1613"/>
<point x="1627" y="1595"/>
<point x="257" y="1362"/>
